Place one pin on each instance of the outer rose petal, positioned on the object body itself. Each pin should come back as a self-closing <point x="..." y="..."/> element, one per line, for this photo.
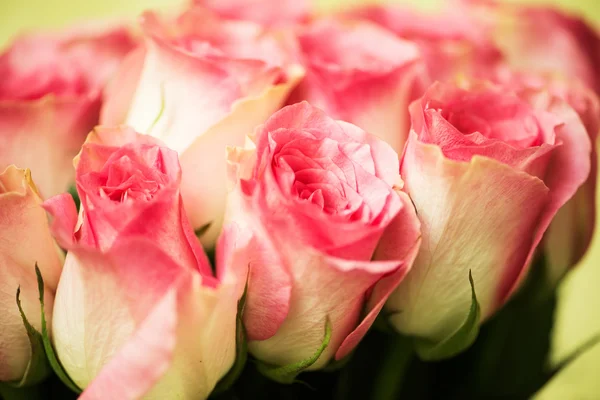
<point x="239" y="248"/>
<point x="153" y="294"/>
<point x="323" y="287"/>
<point x="395" y="244"/>
<point x="24" y="241"/>
<point x="571" y="167"/>
<point x="571" y="230"/>
<point x="269" y="299"/>
<point x="45" y="135"/>
<point x="120" y="91"/>
<point x="262" y="11"/>
<point x="476" y="216"/>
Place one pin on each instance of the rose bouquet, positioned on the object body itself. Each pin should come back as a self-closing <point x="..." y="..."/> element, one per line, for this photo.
<point x="226" y="200"/>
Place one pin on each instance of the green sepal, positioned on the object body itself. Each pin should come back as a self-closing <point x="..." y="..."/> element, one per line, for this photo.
<point x="287" y="374"/>
<point x="73" y="192"/>
<point x="457" y="342"/>
<point x="202" y="230"/>
<point x="37" y="368"/>
<point x="160" y="111"/>
<point x="241" y="349"/>
<point x="50" y="354"/>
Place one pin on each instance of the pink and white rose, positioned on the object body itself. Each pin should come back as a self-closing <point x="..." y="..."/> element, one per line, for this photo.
<point x="487" y="169"/>
<point x="138" y="311"/>
<point x="307" y="212"/>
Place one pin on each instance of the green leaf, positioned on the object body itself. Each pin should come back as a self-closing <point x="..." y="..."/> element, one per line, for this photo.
<point x="287" y="374"/>
<point x="202" y="230"/>
<point x="37" y="368"/>
<point x="459" y="341"/>
<point x="241" y="347"/>
<point x="52" y="358"/>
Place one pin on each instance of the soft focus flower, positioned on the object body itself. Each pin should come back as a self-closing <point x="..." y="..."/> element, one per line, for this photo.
<point x="200" y="84"/>
<point x="487" y="170"/>
<point x="571" y="231"/>
<point x="309" y="207"/>
<point x="24" y="241"/>
<point x="452" y="42"/>
<point x="544" y="40"/>
<point x="362" y="74"/>
<point x="548" y="48"/>
<point x="265" y="12"/>
<point x="137" y="310"/>
<point x="50" y="96"/>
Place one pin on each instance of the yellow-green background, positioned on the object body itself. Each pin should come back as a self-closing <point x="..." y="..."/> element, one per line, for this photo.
<point x="16" y="15"/>
<point x="578" y="313"/>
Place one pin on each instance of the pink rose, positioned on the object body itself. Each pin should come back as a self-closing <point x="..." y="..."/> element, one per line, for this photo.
<point x="265" y="12"/>
<point x="307" y="213"/>
<point x="201" y="84"/>
<point x="24" y="241"/>
<point x="545" y="40"/>
<point x="570" y="233"/>
<point x="487" y="170"/>
<point x="356" y="81"/>
<point x="50" y="96"/>
<point x="137" y="304"/>
<point x="452" y="42"/>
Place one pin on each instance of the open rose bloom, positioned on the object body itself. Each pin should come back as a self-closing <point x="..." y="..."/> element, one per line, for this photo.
<point x="232" y="193"/>
<point x="310" y="205"/>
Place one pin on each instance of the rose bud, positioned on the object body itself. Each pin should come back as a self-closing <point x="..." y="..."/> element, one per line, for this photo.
<point x="50" y="96"/>
<point x="307" y="212"/>
<point x="370" y="86"/>
<point x="25" y="241"/>
<point x="266" y="12"/>
<point x="137" y="308"/>
<point x="200" y="84"/>
<point x="452" y="42"/>
<point x="487" y="170"/>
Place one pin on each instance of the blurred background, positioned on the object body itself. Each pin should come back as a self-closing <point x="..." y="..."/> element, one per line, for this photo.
<point x="577" y="313"/>
<point x="16" y="15"/>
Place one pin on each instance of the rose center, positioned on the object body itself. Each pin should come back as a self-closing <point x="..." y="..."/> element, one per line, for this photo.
<point x="519" y="129"/>
<point x="121" y="185"/>
<point x="314" y="184"/>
